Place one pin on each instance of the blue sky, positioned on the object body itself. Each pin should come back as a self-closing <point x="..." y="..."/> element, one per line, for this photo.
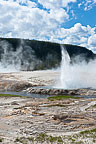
<point x="62" y="21"/>
<point x="85" y="17"/>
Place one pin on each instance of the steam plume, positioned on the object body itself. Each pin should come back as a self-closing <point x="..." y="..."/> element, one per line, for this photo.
<point x="13" y="60"/>
<point x="77" y="75"/>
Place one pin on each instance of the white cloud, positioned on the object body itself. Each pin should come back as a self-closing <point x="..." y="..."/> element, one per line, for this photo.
<point x="89" y="4"/>
<point x="78" y="35"/>
<point x="79" y="5"/>
<point x="92" y="40"/>
<point x="29" y="21"/>
<point x="52" y="4"/>
<point x="22" y="18"/>
<point x="59" y="15"/>
<point x="26" y="2"/>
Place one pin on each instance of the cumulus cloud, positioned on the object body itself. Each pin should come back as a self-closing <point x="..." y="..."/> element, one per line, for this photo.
<point x="59" y="15"/>
<point x="92" y="40"/>
<point x="78" y="34"/>
<point x="25" y="19"/>
<point x="54" y="4"/>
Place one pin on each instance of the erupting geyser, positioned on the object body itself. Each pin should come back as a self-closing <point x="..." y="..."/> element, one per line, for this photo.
<point x="65" y="68"/>
<point x="76" y="75"/>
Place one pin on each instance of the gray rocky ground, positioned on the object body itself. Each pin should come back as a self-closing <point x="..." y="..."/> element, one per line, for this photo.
<point x="23" y="118"/>
<point x="40" y="120"/>
<point x="33" y="82"/>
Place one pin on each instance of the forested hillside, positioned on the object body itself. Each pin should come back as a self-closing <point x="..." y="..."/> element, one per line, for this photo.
<point x="35" y="55"/>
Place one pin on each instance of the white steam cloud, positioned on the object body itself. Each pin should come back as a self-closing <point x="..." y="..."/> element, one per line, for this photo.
<point x="77" y="75"/>
<point x="10" y="60"/>
<point x="14" y="60"/>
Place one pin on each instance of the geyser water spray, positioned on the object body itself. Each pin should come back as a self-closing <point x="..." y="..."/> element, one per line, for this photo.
<point x="76" y="75"/>
<point x="65" y="68"/>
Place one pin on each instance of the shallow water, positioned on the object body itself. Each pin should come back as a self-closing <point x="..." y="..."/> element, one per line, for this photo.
<point x="26" y="94"/>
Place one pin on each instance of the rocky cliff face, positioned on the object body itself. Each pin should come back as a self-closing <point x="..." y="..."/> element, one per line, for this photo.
<point x="36" y="55"/>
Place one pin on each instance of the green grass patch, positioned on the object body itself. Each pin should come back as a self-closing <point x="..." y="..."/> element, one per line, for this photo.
<point x="31" y="139"/>
<point x="48" y="139"/>
<point x="22" y="140"/>
<point x="85" y="132"/>
<point x="88" y="131"/>
<point x="1" y="140"/>
<point x="10" y="95"/>
<point x="60" y="141"/>
<point x="94" y="105"/>
<point x="73" y="140"/>
<point x="41" y="138"/>
<point x="52" y="139"/>
<point x="93" y="130"/>
<point x="60" y="97"/>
